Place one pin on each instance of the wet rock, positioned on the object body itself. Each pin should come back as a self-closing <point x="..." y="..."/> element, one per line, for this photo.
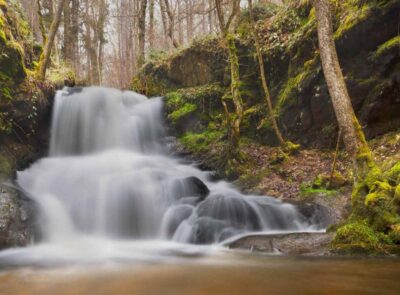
<point x="316" y="214"/>
<point x="198" y="187"/>
<point x="235" y="212"/>
<point x="191" y="187"/>
<point x="332" y="210"/>
<point x="290" y="244"/>
<point x="174" y="217"/>
<point x="16" y="218"/>
<point x="207" y="230"/>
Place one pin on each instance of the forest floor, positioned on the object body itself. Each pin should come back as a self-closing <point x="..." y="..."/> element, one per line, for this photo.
<point x="292" y="179"/>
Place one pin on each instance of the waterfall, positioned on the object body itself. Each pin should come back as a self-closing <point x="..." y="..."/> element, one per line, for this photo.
<point x="109" y="175"/>
<point x="109" y="180"/>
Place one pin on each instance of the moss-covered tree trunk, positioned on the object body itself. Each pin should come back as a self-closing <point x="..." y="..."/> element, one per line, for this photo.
<point x="236" y="96"/>
<point x="45" y="58"/>
<point x="353" y="135"/>
<point x="268" y="101"/>
<point x="233" y="151"/>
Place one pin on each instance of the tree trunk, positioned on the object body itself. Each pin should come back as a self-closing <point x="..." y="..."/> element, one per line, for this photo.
<point x="151" y="24"/>
<point x="41" y="22"/>
<point x="68" y="37"/>
<point x="171" y="24"/>
<point x="229" y="41"/>
<point x="349" y="126"/>
<point x="142" y="33"/>
<point x="268" y="101"/>
<point x="236" y="96"/>
<point x="45" y="58"/>
<point x="75" y="36"/>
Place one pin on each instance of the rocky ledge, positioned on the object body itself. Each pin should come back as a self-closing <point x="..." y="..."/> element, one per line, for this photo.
<point x="291" y="244"/>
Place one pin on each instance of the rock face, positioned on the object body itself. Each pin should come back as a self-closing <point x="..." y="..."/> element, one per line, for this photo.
<point x="203" y="63"/>
<point x="16" y="218"/>
<point x="291" y="244"/>
<point x="368" y="53"/>
<point x="25" y="113"/>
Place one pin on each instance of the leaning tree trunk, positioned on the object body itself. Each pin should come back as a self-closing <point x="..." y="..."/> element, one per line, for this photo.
<point x="349" y="126"/>
<point x="271" y="112"/>
<point x="45" y="58"/>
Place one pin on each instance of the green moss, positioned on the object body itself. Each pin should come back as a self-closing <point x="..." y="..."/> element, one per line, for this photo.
<point x="307" y="190"/>
<point x="393" y="174"/>
<point x="182" y="112"/>
<point x="200" y="142"/>
<point x="350" y="13"/>
<point x="387" y="46"/>
<point x="6" y="167"/>
<point x="291" y="88"/>
<point x="356" y="237"/>
<point x="397" y="193"/>
<point x="394" y="234"/>
<point x="335" y="181"/>
<point x="290" y="147"/>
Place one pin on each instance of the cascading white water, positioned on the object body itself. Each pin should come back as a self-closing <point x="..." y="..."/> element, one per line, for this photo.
<point x="109" y="176"/>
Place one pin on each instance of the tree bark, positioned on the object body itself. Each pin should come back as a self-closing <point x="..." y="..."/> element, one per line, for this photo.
<point x="151" y="24"/>
<point x="75" y="35"/>
<point x="45" y="58"/>
<point x="229" y="41"/>
<point x="41" y="22"/>
<point x="171" y="24"/>
<point x="142" y="33"/>
<point x="68" y="43"/>
<point x="349" y="126"/>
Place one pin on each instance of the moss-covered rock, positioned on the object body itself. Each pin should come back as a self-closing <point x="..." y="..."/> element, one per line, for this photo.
<point x="6" y="167"/>
<point x="366" y="39"/>
<point x="356" y="237"/>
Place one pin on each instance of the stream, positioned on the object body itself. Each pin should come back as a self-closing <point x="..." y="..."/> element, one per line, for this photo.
<point x="119" y="214"/>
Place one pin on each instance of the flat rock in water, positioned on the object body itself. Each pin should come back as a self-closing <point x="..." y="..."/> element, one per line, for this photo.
<point x="291" y="244"/>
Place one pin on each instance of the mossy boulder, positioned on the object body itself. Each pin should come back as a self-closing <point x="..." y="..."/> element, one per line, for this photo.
<point x="356" y="237"/>
<point x="333" y="182"/>
<point x="193" y="109"/>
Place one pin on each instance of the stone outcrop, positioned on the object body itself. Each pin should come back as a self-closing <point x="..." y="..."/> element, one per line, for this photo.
<point x="368" y="52"/>
<point x="16" y="218"/>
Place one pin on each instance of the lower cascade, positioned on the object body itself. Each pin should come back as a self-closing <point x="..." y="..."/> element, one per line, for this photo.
<point x="110" y="176"/>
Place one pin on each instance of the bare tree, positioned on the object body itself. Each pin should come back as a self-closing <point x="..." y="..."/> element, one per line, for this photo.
<point x="45" y="58"/>
<point x="171" y="26"/>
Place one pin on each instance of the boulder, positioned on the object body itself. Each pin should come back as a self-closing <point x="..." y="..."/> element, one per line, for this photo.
<point x="193" y="186"/>
<point x="16" y="218"/>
